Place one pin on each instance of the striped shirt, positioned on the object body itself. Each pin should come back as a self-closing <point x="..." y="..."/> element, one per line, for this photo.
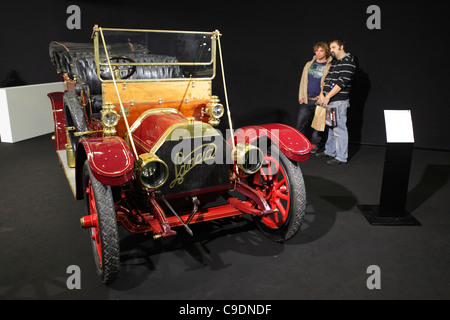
<point x="341" y="74"/>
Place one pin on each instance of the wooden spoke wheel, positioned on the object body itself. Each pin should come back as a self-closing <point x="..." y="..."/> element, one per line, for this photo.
<point x="104" y="230"/>
<point x="280" y="182"/>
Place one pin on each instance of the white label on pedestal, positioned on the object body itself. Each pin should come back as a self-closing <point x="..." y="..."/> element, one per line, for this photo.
<point x="399" y="128"/>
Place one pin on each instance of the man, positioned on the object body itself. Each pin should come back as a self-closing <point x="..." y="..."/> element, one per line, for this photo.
<point x="336" y="93"/>
<point x="313" y="76"/>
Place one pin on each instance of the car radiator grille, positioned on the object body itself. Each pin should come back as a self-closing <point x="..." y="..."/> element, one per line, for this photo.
<point x="195" y="164"/>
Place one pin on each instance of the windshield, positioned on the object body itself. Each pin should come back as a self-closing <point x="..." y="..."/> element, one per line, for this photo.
<point x="155" y="55"/>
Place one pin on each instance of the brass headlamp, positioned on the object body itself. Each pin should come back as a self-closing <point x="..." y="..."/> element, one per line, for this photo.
<point x="248" y="158"/>
<point x="152" y="172"/>
<point x="110" y="118"/>
<point x="214" y="111"/>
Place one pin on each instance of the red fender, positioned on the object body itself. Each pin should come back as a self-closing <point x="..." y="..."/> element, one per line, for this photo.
<point x="290" y="141"/>
<point x="110" y="159"/>
<point x="59" y="119"/>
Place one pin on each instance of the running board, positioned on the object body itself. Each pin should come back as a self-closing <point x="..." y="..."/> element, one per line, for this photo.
<point x="69" y="172"/>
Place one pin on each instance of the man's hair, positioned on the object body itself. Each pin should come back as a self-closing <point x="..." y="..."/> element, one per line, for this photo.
<point x="324" y="46"/>
<point x="339" y="42"/>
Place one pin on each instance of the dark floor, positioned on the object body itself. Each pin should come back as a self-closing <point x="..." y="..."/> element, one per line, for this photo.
<point x="40" y="237"/>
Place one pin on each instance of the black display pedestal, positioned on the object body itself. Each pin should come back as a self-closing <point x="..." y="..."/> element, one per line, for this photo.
<point x="391" y="210"/>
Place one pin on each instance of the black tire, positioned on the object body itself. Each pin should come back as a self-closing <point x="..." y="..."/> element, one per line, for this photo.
<point x="282" y="227"/>
<point x="104" y="237"/>
<point x="75" y="116"/>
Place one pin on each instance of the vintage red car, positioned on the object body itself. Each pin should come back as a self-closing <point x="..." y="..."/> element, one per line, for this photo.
<point x="136" y="130"/>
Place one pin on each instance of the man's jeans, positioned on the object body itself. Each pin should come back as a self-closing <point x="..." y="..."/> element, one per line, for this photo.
<point x="304" y="119"/>
<point x="337" y="143"/>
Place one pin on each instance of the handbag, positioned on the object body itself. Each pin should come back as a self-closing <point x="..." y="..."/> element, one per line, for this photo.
<point x="319" y="119"/>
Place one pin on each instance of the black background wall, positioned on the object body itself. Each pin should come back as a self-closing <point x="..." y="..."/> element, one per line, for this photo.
<point x="265" y="44"/>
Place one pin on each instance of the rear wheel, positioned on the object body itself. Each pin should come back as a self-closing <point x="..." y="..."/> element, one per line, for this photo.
<point x="280" y="182"/>
<point x="75" y="116"/>
<point x="104" y="231"/>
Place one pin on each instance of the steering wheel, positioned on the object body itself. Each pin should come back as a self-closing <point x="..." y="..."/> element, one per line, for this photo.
<point x="120" y="72"/>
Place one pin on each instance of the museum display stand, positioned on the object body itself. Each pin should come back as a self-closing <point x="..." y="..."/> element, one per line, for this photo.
<point x="397" y="164"/>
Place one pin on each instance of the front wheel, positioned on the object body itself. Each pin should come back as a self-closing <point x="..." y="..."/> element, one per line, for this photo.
<point x="104" y="231"/>
<point x="281" y="183"/>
